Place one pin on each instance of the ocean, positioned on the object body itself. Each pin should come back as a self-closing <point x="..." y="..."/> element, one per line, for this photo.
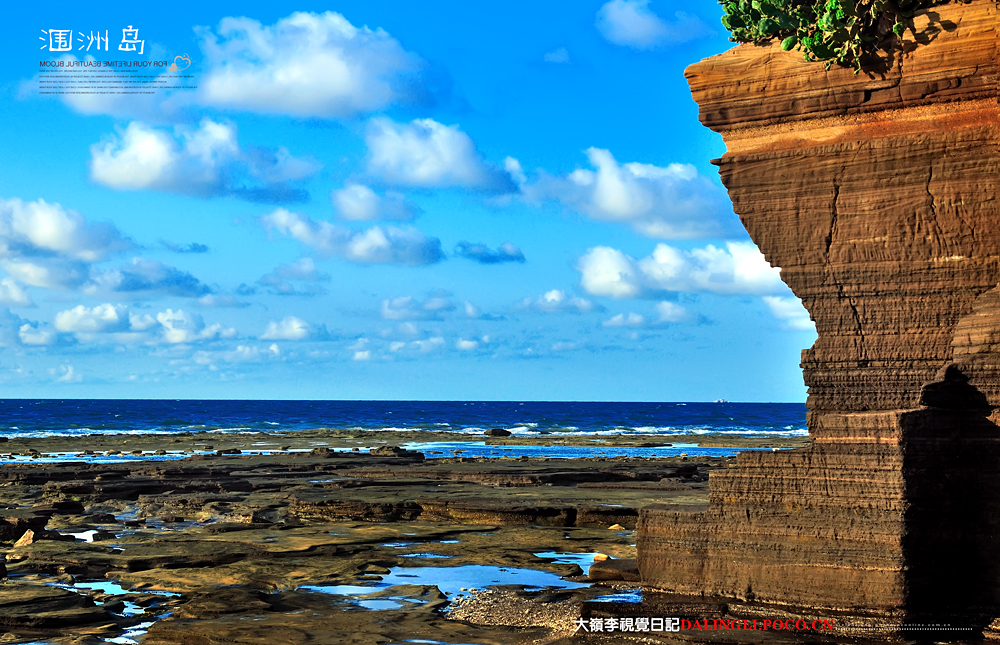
<point x="54" y="417"/>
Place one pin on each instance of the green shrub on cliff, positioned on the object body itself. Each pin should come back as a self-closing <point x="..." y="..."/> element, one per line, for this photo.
<point x="836" y="31"/>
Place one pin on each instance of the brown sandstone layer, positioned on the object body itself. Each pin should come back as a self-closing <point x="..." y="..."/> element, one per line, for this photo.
<point x="876" y="194"/>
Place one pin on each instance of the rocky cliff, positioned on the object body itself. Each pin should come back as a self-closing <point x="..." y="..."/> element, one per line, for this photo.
<point x="876" y="194"/>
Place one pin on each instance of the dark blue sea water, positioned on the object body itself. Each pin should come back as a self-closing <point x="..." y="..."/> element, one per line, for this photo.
<point x="28" y="417"/>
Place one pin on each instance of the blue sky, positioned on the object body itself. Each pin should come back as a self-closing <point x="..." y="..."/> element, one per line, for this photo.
<point x="380" y="200"/>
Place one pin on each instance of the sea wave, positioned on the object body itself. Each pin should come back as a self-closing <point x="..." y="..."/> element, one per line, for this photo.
<point x="74" y="417"/>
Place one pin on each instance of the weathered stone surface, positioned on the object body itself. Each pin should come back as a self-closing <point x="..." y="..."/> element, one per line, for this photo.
<point x="615" y="570"/>
<point x="876" y="194"/>
<point x="29" y="605"/>
<point x="16" y="522"/>
<point x="299" y="617"/>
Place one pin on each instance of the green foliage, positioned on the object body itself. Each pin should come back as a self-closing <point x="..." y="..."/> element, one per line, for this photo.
<point x="845" y="32"/>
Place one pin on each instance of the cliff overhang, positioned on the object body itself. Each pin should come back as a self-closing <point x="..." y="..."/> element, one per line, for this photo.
<point x="876" y="194"/>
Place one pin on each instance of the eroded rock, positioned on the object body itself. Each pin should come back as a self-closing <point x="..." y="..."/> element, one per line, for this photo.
<point x="876" y="194"/>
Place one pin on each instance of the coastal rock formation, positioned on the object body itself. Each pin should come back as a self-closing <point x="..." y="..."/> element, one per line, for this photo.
<point x="312" y="546"/>
<point x="876" y="194"/>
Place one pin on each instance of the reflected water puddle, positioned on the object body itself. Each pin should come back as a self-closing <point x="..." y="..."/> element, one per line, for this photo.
<point x="132" y="634"/>
<point x="584" y="560"/>
<point x="444" y="449"/>
<point x="86" y="536"/>
<point x="111" y="588"/>
<point x="431" y="450"/>
<point x="627" y="595"/>
<point x="451" y="581"/>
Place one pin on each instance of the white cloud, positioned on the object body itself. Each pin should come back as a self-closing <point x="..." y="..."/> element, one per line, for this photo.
<point x="141" y="322"/>
<point x="605" y="271"/>
<point x="376" y="245"/>
<point x="306" y="65"/>
<point x="790" y="311"/>
<point x="101" y="319"/>
<point x="67" y="375"/>
<point x="103" y="323"/>
<point x="11" y="293"/>
<point x="428" y="345"/>
<point x="147" y="277"/>
<point x="560" y="55"/>
<point x="471" y="310"/>
<point x="10" y="328"/>
<point x="360" y="349"/>
<point x="466" y="345"/>
<point x="391" y="245"/>
<point x="409" y="308"/>
<point x="115" y="323"/>
<point x="427" y="154"/>
<point x="672" y="202"/>
<point x="206" y="161"/>
<point x="45" y="245"/>
<point x="631" y="23"/>
<point x="303" y="270"/>
<point x="48" y="273"/>
<point x="221" y="300"/>
<point x="667" y="312"/>
<point x="671" y="312"/>
<point x="143" y="157"/>
<point x="514" y="169"/>
<point x="292" y="328"/>
<point x="625" y="320"/>
<point x="556" y="301"/>
<point x="240" y="354"/>
<point x="407" y="329"/>
<point x="738" y="269"/>
<point x="182" y="327"/>
<point x="357" y="202"/>
<point x="35" y="334"/>
<point x="29" y="228"/>
<point x="288" y="328"/>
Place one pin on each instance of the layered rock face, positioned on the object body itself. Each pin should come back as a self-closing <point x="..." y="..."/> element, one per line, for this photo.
<point x="876" y="194"/>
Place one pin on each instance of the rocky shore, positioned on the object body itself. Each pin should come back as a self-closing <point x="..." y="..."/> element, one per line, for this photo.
<point x="317" y="537"/>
